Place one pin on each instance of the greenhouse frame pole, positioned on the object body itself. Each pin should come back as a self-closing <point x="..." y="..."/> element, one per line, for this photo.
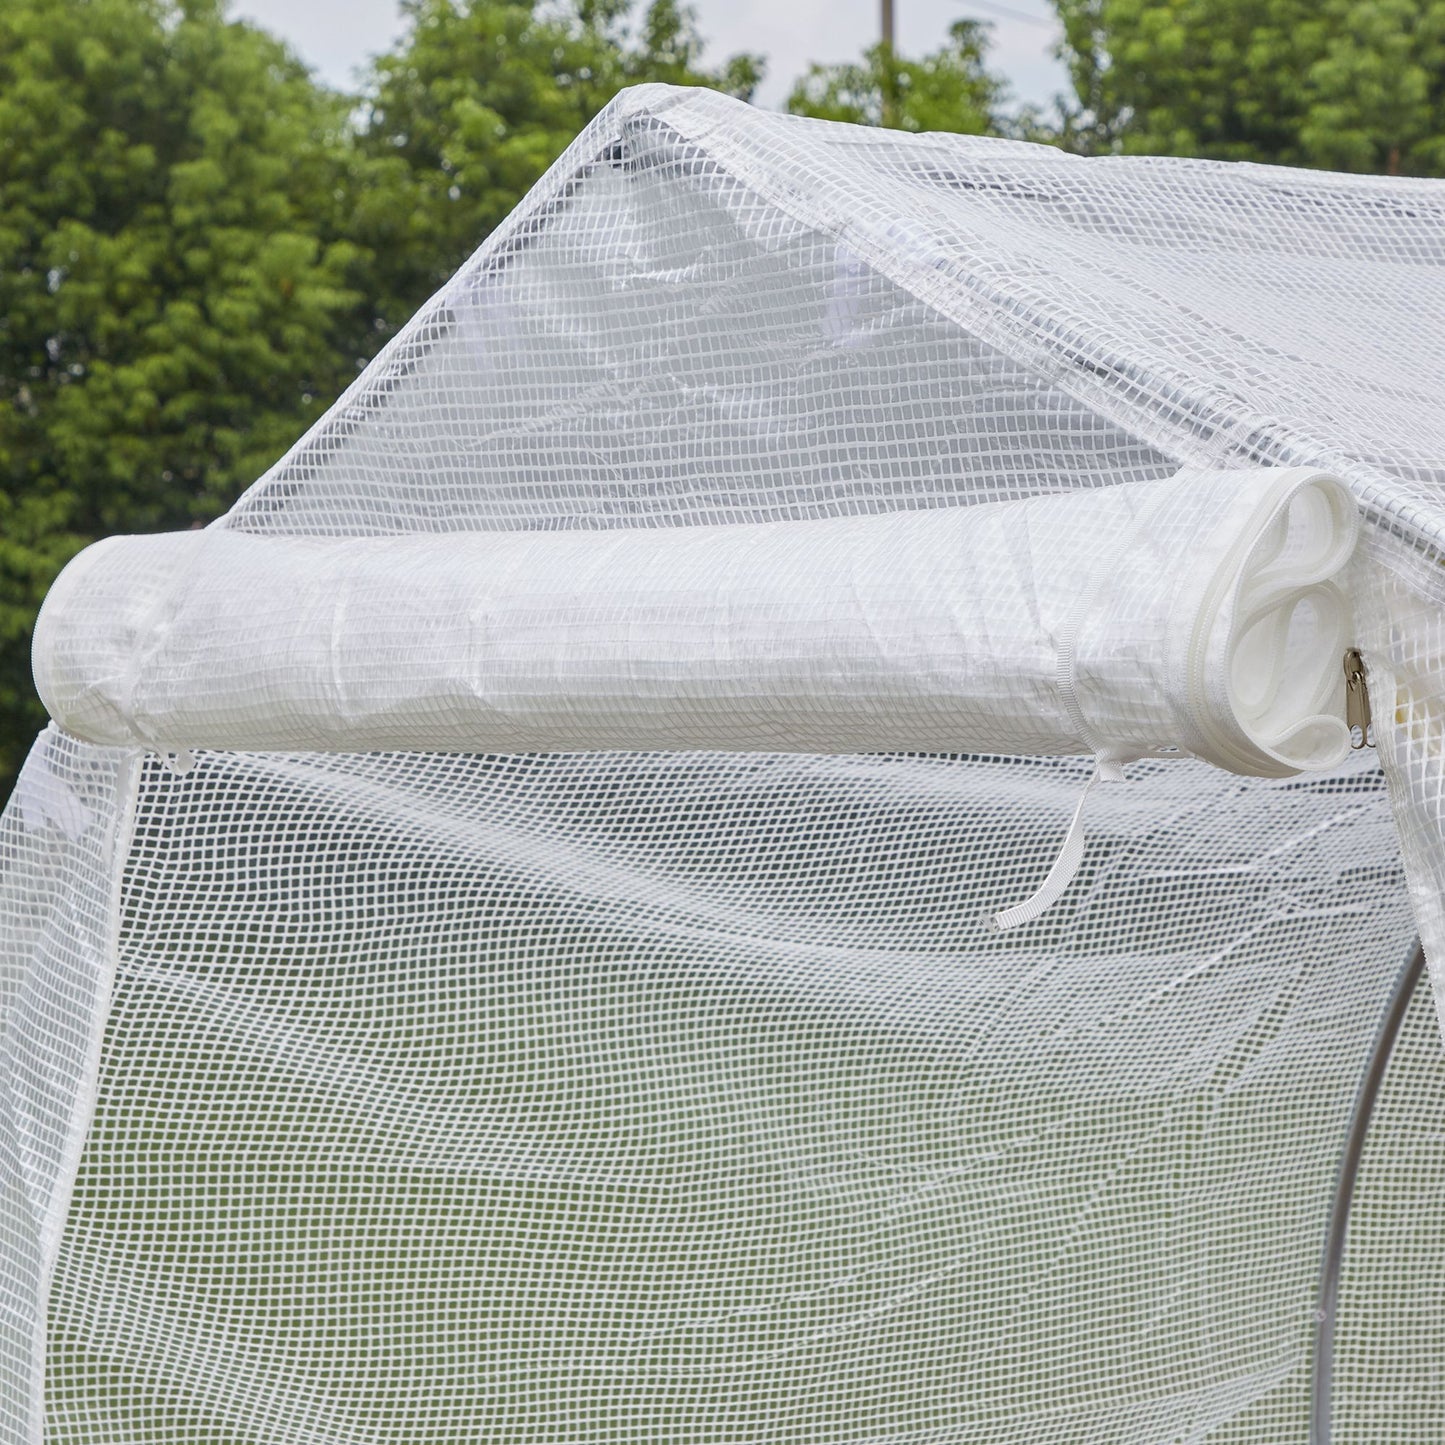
<point x="1327" y="1296"/>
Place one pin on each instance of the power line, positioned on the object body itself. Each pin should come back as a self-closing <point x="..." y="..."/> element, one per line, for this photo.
<point x="1010" y="13"/>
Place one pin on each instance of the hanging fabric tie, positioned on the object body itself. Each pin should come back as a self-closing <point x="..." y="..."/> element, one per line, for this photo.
<point x="1066" y="864"/>
<point x="1108" y="766"/>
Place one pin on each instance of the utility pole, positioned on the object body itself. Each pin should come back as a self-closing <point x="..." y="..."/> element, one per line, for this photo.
<point x="890" y="75"/>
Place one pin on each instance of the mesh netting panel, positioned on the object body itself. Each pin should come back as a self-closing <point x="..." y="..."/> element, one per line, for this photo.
<point x="62" y="838"/>
<point x="712" y="313"/>
<point x="662" y="347"/>
<point x="643" y="1099"/>
<point x="1400" y="613"/>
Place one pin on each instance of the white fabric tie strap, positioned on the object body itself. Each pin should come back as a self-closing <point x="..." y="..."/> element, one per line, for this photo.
<point x="1255" y="645"/>
<point x="1066" y="865"/>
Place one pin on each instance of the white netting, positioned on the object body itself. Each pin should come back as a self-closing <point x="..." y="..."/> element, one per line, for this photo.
<point x="707" y="314"/>
<point x="1390" y="1342"/>
<point x="686" y="1096"/>
<point x="63" y="841"/>
<point x="555" y="1099"/>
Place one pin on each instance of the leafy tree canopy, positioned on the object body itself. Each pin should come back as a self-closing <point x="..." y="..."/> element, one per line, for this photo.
<point x="950" y="89"/>
<point x="1345" y="84"/>
<point x="482" y="95"/>
<point x="177" y="296"/>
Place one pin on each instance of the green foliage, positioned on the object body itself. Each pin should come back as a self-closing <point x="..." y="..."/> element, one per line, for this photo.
<point x="950" y="89"/>
<point x="177" y="300"/>
<point x="1378" y="88"/>
<point x="1346" y="84"/>
<point x="481" y="97"/>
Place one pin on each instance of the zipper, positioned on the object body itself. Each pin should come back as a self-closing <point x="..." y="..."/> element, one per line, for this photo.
<point x="1357" y="701"/>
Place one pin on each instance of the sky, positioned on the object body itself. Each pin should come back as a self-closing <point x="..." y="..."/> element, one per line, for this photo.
<point x="335" y="37"/>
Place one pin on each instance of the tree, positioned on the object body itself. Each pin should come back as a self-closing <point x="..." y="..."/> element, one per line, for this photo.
<point x="950" y="89"/>
<point x="1348" y="84"/>
<point x="1377" y="91"/>
<point x="177" y="299"/>
<point x="482" y="95"/>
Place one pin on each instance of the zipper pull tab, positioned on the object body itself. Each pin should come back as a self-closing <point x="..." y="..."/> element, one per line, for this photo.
<point x="1357" y="702"/>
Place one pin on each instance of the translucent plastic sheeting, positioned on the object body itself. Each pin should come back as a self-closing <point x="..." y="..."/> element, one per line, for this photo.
<point x="1390" y="1333"/>
<point x="1197" y="614"/>
<point x="1400" y="616"/>
<point x="706" y="313"/>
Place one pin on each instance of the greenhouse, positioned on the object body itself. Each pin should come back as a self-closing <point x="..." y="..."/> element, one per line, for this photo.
<point x="812" y="814"/>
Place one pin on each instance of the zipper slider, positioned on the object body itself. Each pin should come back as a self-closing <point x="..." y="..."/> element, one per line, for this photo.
<point x="1357" y="701"/>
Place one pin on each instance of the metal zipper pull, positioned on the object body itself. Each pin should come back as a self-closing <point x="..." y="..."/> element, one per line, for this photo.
<point x="1357" y="701"/>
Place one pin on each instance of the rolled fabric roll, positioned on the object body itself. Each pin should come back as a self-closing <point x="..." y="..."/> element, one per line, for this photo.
<point x="1200" y="613"/>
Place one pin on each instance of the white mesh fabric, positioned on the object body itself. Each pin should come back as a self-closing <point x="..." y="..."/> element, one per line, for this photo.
<point x="63" y="838"/>
<point x="710" y="313"/>
<point x="1386" y="1374"/>
<point x="1401" y="620"/>
<point x="669" y="1097"/>
<point x="713" y="314"/>
<point x="571" y="1099"/>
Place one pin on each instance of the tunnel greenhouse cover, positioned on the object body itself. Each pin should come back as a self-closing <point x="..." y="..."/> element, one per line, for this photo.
<point x="804" y="818"/>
